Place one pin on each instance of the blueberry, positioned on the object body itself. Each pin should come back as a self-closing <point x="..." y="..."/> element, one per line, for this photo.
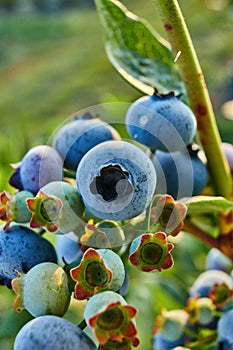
<point x="43" y="290"/>
<point x="14" y="207"/>
<point x="216" y="260"/>
<point x="15" y="179"/>
<point x="159" y="343"/>
<point x="39" y="166"/>
<point x="125" y="286"/>
<point x="171" y="324"/>
<point x="20" y="249"/>
<point x="115" y="264"/>
<point x="116" y="180"/>
<point x="224" y="330"/>
<point x="99" y="270"/>
<point x="68" y="249"/>
<point x="72" y="205"/>
<point x="227" y="149"/>
<point x="112" y="320"/>
<point x="161" y="122"/>
<point x="181" y="173"/>
<point x="52" y="333"/>
<point x="205" y="282"/>
<point x="77" y="137"/>
<point x="98" y="303"/>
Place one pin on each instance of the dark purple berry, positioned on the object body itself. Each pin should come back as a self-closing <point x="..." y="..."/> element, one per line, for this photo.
<point x="39" y="166"/>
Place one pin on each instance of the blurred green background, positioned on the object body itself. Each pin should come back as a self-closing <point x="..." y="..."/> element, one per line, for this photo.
<point x="53" y="64"/>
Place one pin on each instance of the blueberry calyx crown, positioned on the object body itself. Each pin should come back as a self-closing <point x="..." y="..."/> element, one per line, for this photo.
<point x="112" y="182"/>
<point x="168" y="95"/>
<point x="193" y="149"/>
<point x="156" y="93"/>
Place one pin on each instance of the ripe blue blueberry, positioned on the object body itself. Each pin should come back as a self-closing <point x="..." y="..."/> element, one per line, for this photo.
<point x="68" y="249"/>
<point x="77" y="137"/>
<point x="161" y="122"/>
<point x="224" y="330"/>
<point x="159" y="343"/>
<point x="125" y="285"/>
<point x="216" y="260"/>
<point x="39" y="166"/>
<point x="52" y="333"/>
<point x="181" y="173"/>
<point x="227" y="149"/>
<point x="20" y="249"/>
<point x="116" y="180"/>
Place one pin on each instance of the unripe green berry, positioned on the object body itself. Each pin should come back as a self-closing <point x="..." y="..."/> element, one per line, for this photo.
<point x="43" y="290"/>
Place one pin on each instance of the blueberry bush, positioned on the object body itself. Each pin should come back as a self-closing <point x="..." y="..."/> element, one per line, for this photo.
<point x="106" y="206"/>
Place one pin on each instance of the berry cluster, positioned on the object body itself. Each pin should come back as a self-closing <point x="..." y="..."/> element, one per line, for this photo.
<point x="113" y="200"/>
<point x="101" y="196"/>
<point x="109" y="202"/>
<point x="205" y="322"/>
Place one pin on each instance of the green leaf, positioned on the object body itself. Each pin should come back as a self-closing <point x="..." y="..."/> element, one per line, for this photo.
<point x="207" y="204"/>
<point x="207" y="223"/>
<point x="137" y="51"/>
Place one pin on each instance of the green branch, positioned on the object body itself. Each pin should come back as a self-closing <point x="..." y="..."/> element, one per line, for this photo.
<point x="223" y="242"/>
<point x="198" y="95"/>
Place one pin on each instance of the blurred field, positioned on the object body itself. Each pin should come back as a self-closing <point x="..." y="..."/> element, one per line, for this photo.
<point x="54" y="65"/>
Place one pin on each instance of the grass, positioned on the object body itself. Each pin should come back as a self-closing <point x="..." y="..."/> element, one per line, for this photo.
<point x="53" y="66"/>
<point x="49" y="72"/>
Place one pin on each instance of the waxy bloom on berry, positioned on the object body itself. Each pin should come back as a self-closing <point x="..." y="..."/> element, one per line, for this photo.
<point x="98" y="270"/>
<point x="14" y="207"/>
<point x="168" y="214"/>
<point x="151" y="252"/>
<point x="46" y="210"/>
<point x="112" y="321"/>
